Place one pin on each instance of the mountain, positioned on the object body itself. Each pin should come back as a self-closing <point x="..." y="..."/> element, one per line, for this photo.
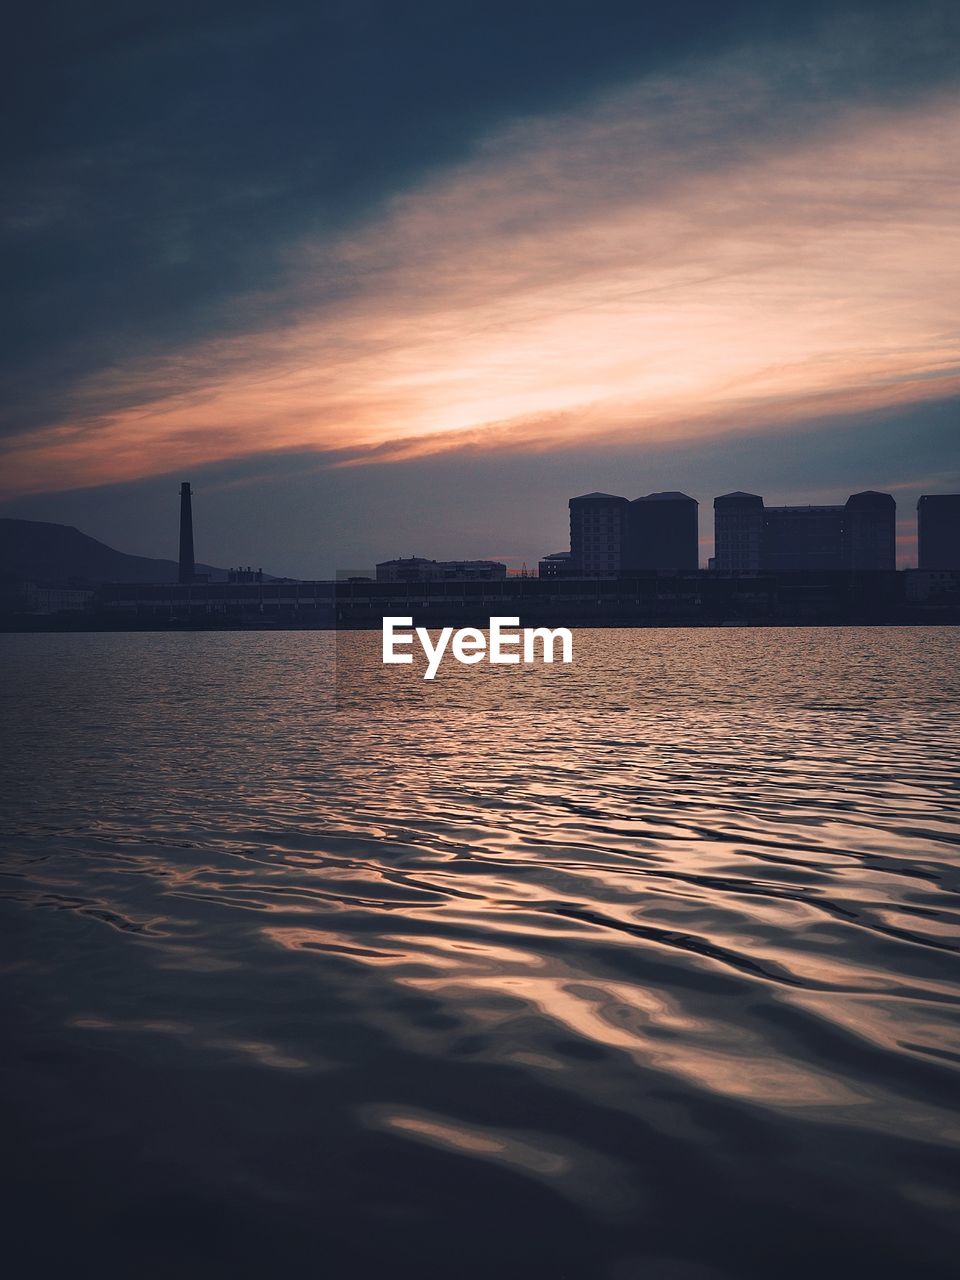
<point x="37" y="551"/>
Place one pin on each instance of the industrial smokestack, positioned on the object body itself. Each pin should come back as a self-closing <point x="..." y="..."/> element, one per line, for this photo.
<point x="187" y="572"/>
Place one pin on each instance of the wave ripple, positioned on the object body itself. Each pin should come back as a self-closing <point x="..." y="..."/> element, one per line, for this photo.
<point x="643" y="967"/>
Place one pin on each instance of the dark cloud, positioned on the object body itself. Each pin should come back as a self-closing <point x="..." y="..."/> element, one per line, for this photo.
<point x="161" y="157"/>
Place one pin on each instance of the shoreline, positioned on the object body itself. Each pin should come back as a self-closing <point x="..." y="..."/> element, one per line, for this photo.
<point x="62" y="625"/>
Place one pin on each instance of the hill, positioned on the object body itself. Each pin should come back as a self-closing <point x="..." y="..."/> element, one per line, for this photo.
<point x="45" y="553"/>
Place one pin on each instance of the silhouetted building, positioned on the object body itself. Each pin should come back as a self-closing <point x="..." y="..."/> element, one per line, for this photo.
<point x="859" y="535"/>
<point x="598" y="532"/>
<point x="17" y="596"/>
<point x="662" y="532"/>
<point x="405" y="569"/>
<point x="869" y="535"/>
<point x="187" y="569"/>
<point x="608" y="534"/>
<point x="419" y="569"/>
<point x="484" y="569"/>
<point x="802" y="538"/>
<point x="936" y="587"/>
<point x="557" y="565"/>
<point x="737" y="532"/>
<point x="246" y="575"/>
<point x="938" y="531"/>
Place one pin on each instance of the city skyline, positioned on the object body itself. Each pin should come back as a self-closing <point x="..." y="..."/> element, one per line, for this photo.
<point x="580" y="243"/>
<point x="609" y="535"/>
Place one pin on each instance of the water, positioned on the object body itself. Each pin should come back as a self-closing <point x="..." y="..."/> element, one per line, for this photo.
<point x="640" y="969"/>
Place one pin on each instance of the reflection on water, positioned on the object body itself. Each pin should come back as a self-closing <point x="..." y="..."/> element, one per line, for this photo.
<point x="642" y="967"/>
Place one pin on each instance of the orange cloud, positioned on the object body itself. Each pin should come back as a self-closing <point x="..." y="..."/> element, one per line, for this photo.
<point x="597" y="276"/>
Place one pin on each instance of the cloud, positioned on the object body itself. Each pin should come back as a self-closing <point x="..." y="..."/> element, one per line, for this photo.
<point x="699" y="254"/>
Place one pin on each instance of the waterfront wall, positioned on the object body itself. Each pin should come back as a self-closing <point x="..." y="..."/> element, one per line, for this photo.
<point x="698" y="597"/>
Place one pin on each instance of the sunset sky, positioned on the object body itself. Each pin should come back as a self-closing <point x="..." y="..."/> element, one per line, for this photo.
<point x="400" y="278"/>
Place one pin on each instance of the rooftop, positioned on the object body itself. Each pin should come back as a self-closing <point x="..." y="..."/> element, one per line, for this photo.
<point x="668" y="495"/>
<point x="607" y="497"/>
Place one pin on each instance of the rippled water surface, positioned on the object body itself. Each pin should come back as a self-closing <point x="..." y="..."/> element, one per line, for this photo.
<point x="644" y="967"/>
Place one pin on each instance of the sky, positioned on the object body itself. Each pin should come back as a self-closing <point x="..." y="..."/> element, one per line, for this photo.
<point x="388" y="278"/>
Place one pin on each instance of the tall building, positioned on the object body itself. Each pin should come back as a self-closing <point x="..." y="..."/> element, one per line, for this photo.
<point x="405" y="569"/>
<point x="187" y="568"/>
<point x="598" y="532"/>
<point x="870" y="531"/>
<point x="859" y="535"/>
<point x="663" y="532"/>
<point x="738" y="531"/>
<point x="938" y="531"/>
<point x="797" y="538"/>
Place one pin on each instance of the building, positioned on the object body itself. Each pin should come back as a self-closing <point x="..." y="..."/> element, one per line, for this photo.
<point x="245" y="575"/>
<point x="557" y="565"/>
<point x="486" y="570"/>
<point x="17" y="596"/>
<point x="936" y="587"/>
<point x="869" y="535"/>
<point x="737" y="532"/>
<point x="859" y="535"/>
<point x="938" y="531"/>
<point x="598" y="532"/>
<point x="406" y="569"/>
<point x="418" y="569"/>
<point x="802" y="538"/>
<point x="187" y="570"/>
<point x="663" y="532"/>
<point x="608" y="534"/>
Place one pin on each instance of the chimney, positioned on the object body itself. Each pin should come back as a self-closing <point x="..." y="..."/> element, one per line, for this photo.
<point x="187" y="571"/>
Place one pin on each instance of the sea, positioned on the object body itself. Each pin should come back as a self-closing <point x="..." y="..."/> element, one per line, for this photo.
<point x="639" y="968"/>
